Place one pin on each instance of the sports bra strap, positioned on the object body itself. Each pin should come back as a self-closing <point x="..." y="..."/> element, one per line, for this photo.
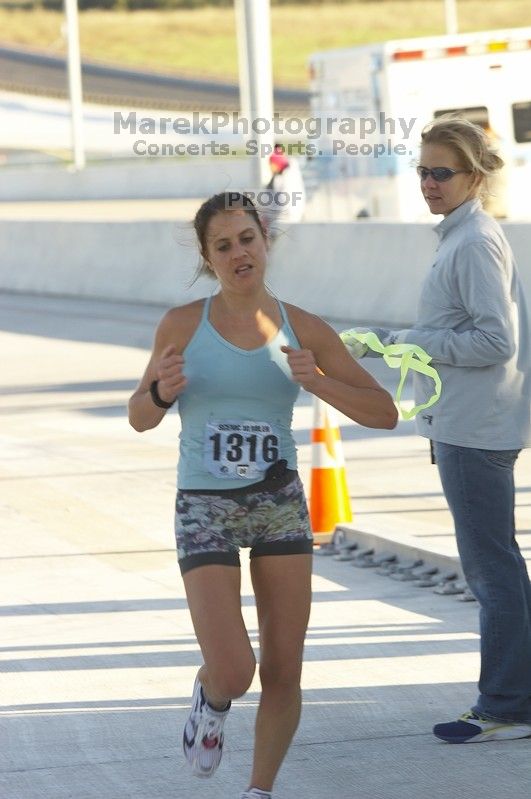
<point x="283" y="313"/>
<point x="206" y="309"/>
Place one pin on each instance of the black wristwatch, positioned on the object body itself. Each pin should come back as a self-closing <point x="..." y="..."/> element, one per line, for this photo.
<point x="155" y="396"/>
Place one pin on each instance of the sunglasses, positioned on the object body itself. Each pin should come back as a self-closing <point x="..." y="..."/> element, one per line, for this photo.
<point x="439" y="173"/>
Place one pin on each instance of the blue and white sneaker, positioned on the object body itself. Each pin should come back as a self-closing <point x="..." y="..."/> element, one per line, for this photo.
<point x="203" y="734"/>
<point x="471" y="728"/>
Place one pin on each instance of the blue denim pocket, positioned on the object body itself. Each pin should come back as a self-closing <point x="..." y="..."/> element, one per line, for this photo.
<point x="505" y="458"/>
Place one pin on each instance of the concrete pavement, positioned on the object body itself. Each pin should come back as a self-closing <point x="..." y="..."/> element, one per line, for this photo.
<point x="98" y="655"/>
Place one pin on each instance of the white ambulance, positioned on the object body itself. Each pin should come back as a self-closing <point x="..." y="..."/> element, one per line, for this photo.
<point x="369" y="105"/>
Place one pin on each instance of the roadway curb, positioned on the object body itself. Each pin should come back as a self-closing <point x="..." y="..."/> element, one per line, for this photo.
<point x="401" y="545"/>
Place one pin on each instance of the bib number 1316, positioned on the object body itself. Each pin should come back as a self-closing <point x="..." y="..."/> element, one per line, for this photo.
<point x="240" y="449"/>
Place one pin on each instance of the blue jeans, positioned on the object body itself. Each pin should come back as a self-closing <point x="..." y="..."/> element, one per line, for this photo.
<point x="479" y="488"/>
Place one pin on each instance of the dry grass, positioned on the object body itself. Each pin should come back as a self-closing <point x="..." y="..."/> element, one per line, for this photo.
<point x="202" y="42"/>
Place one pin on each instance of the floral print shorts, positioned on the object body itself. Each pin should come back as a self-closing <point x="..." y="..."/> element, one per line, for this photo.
<point x="211" y="527"/>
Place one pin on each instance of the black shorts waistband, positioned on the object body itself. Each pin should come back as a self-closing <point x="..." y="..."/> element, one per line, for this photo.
<point x="273" y="483"/>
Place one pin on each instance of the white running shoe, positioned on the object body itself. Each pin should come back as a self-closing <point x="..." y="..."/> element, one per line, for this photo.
<point x="256" y="793"/>
<point x="203" y="734"/>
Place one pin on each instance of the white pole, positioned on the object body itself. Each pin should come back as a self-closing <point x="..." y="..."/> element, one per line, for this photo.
<point x="243" y="71"/>
<point x="450" y="13"/>
<point x="253" y="20"/>
<point x="74" y="83"/>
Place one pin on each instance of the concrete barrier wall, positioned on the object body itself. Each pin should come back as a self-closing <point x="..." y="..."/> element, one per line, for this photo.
<point x="367" y="271"/>
<point x="149" y="179"/>
<point x="138" y="261"/>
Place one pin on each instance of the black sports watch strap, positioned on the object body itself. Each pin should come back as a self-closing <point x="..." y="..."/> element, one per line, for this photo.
<point x="155" y="396"/>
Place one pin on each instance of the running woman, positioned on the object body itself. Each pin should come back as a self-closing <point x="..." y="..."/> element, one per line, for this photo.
<point x="234" y="364"/>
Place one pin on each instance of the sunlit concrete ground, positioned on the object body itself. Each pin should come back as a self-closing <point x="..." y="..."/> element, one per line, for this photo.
<point x="97" y="654"/>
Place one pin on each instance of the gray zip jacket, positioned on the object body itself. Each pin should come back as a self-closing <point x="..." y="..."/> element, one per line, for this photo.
<point x="472" y="320"/>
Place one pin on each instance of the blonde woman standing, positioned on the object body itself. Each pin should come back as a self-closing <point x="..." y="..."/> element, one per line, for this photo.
<point x="472" y="320"/>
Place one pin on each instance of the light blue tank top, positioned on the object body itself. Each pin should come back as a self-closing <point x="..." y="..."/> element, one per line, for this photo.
<point x="236" y="410"/>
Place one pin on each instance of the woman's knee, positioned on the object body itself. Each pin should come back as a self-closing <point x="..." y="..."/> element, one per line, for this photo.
<point x="284" y="675"/>
<point x="233" y="679"/>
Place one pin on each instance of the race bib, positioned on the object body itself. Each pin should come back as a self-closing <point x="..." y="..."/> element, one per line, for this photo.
<point x="241" y="450"/>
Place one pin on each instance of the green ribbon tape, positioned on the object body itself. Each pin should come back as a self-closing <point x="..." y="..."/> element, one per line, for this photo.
<point x="400" y="356"/>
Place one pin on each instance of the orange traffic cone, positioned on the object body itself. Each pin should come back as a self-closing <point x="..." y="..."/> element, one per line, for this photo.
<point x="329" y="499"/>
